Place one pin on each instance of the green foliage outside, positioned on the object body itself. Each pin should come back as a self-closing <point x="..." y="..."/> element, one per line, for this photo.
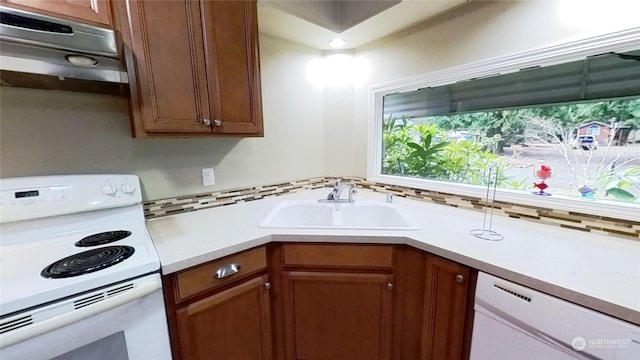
<point x="422" y="150"/>
<point x="509" y="124"/>
<point x="423" y="147"/>
<point x="621" y="184"/>
<point x="512" y="124"/>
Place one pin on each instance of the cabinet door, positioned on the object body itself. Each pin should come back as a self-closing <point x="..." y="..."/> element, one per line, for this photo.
<point x="233" y="66"/>
<point x="96" y="11"/>
<point x="169" y="81"/>
<point x="232" y="325"/>
<point x="337" y="316"/>
<point x="445" y="307"/>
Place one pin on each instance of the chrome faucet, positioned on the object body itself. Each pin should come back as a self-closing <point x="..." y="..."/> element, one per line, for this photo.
<point x="334" y="195"/>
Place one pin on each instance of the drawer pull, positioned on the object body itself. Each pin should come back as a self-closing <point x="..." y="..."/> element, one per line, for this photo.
<point x="227" y="270"/>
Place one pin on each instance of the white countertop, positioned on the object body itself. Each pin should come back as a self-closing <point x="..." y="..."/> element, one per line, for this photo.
<point x="597" y="271"/>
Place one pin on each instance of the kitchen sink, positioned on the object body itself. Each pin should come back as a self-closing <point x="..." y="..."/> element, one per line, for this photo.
<point x="299" y="214"/>
<point x="308" y="214"/>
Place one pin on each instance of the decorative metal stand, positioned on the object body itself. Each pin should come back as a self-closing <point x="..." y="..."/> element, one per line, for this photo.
<point x="487" y="233"/>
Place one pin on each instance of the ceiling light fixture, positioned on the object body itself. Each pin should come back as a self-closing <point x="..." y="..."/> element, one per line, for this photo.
<point x="337" y="43"/>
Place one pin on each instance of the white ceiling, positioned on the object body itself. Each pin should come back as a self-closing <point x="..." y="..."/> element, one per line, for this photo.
<point x="276" y="21"/>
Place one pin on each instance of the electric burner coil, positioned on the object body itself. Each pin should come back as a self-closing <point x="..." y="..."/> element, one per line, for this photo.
<point x="87" y="262"/>
<point x="103" y="238"/>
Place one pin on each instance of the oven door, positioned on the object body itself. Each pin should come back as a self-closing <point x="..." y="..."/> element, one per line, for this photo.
<point x="126" y="321"/>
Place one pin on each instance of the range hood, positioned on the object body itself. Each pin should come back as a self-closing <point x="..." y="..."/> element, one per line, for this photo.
<point x="47" y="52"/>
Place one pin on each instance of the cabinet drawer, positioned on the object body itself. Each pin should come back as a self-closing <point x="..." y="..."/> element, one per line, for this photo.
<point x="339" y="255"/>
<point x="219" y="272"/>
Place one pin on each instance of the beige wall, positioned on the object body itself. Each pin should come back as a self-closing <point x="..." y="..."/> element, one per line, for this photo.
<point x="309" y="131"/>
<point x="477" y="31"/>
<point x="50" y="132"/>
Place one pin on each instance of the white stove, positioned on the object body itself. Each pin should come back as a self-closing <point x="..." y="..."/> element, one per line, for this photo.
<point x="66" y="239"/>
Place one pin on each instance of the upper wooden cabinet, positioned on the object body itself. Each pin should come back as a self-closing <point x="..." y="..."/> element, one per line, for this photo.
<point x="94" y="11"/>
<point x="194" y="67"/>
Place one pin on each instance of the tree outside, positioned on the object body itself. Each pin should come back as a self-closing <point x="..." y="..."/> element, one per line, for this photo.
<point x="462" y="147"/>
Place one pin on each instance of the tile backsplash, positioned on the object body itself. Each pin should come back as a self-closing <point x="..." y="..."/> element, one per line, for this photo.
<point x="181" y="204"/>
<point x="561" y="218"/>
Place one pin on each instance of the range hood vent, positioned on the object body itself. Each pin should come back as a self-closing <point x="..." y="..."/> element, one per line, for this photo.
<point x="45" y="52"/>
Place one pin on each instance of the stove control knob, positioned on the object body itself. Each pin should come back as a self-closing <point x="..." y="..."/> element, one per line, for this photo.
<point x="128" y="188"/>
<point x="109" y="189"/>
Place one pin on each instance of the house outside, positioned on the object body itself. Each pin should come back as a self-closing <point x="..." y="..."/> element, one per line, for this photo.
<point x="603" y="132"/>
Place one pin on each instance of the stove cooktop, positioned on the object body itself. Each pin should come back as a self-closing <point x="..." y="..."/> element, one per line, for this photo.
<point x="38" y="255"/>
<point x="21" y="283"/>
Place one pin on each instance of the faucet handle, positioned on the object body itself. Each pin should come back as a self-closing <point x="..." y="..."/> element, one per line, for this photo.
<point x="336" y="184"/>
<point x="352" y="191"/>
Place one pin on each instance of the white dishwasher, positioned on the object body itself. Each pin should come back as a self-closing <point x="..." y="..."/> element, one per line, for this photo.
<point x="513" y="322"/>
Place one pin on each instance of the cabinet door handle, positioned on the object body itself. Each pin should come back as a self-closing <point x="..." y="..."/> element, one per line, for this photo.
<point x="267" y="285"/>
<point x="206" y="122"/>
<point x="459" y="278"/>
<point x="227" y="270"/>
<point x="390" y="286"/>
<point x="217" y="122"/>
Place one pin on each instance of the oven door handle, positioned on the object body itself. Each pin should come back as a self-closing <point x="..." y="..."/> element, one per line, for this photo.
<point x="113" y="296"/>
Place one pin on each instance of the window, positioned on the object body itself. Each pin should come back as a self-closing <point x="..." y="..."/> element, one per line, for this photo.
<point x="537" y="122"/>
<point x="593" y="130"/>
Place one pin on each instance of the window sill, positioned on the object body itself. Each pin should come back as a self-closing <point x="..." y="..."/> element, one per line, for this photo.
<point x="597" y="207"/>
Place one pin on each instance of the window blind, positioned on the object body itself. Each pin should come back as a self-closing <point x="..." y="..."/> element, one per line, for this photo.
<point x="602" y="76"/>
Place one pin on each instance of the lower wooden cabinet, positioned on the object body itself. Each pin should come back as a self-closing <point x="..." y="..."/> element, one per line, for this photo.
<point x="323" y="302"/>
<point x="221" y="309"/>
<point x="337" y="316"/>
<point x="233" y="324"/>
<point x="448" y="310"/>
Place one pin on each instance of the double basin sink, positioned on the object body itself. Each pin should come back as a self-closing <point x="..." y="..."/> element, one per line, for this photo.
<point x="309" y="214"/>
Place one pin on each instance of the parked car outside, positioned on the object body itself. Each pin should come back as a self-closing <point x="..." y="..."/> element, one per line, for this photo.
<point x="585" y="142"/>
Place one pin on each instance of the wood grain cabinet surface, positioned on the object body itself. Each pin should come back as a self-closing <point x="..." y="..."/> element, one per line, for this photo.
<point x="91" y="11"/>
<point x="193" y="65"/>
<point x="304" y="301"/>
<point x="221" y="309"/>
<point x="342" y="256"/>
<point x="448" y="310"/>
<point x="203" y="278"/>
<point x="233" y="324"/>
<point x="337" y="301"/>
<point x="337" y="315"/>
